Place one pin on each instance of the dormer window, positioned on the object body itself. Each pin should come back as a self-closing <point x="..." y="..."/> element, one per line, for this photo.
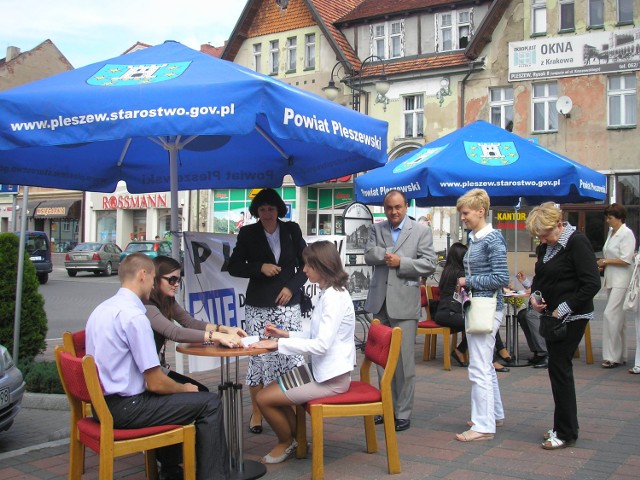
<point x="454" y="29"/>
<point x="387" y="39"/>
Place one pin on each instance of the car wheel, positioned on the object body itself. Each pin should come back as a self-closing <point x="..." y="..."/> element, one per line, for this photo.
<point x="72" y="273"/>
<point x="107" y="270"/>
<point x="43" y="278"/>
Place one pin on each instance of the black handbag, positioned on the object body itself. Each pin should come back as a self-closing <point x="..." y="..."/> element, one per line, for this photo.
<point x="552" y="328"/>
<point x="306" y="305"/>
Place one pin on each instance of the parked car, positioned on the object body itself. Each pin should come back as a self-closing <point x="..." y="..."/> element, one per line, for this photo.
<point x="12" y="389"/>
<point x="150" y="247"/>
<point x="99" y="258"/>
<point x="39" y="250"/>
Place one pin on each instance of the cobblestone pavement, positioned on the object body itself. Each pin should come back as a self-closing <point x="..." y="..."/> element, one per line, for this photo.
<point x="609" y="446"/>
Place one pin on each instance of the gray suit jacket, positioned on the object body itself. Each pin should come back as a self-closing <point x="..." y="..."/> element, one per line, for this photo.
<point x="400" y="287"/>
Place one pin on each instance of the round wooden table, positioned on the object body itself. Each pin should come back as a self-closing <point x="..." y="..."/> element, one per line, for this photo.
<point x="231" y="395"/>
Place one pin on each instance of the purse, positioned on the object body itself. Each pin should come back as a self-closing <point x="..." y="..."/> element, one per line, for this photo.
<point x="306" y="305"/>
<point x="632" y="297"/>
<point x="480" y="315"/>
<point x="552" y="329"/>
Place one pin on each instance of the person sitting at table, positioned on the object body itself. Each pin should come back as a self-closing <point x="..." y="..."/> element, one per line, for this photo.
<point x="329" y="342"/>
<point x="163" y="310"/>
<point x="529" y="321"/>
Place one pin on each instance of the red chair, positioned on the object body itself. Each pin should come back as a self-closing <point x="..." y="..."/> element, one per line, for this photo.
<point x="80" y="381"/>
<point x="431" y="330"/>
<point x="362" y="400"/>
<point x="74" y="343"/>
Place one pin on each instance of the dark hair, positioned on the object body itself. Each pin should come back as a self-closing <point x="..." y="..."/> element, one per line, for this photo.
<point x="267" y="196"/>
<point x="324" y="258"/>
<point x="616" y="210"/>
<point x="454" y="264"/>
<point x="164" y="266"/>
<point x="393" y="192"/>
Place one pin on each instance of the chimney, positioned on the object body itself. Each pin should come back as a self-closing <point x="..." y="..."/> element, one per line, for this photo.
<point x="12" y="52"/>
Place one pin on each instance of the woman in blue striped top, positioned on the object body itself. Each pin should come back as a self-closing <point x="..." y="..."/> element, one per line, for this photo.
<point x="486" y="273"/>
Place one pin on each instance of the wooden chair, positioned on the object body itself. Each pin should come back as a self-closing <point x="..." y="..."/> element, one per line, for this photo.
<point x="80" y="381"/>
<point x="362" y="400"/>
<point x="587" y="346"/>
<point x="74" y="343"/>
<point x="431" y="330"/>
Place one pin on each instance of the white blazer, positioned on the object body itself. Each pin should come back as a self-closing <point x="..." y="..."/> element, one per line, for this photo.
<point x="620" y="245"/>
<point x="329" y="341"/>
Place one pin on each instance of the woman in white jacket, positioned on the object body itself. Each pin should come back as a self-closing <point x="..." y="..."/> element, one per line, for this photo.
<point x="329" y="344"/>
<point x="617" y="266"/>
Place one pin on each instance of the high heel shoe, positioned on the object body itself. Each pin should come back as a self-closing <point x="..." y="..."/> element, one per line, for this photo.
<point x="454" y="356"/>
<point x="255" y="428"/>
<point x="506" y="359"/>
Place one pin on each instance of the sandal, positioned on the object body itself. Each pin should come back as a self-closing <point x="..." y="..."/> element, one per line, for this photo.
<point x="549" y="433"/>
<point x="554" y="443"/>
<point x="471" y="436"/>
<point x="635" y="370"/>
<point x="609" y="364"/>
<point x="499" y="422"/>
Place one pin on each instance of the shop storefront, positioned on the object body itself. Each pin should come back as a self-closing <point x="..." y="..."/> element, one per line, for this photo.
<point x="59" y="218"/>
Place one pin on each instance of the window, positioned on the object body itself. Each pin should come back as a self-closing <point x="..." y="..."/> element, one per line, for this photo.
<point x="310" y="51"/>
<point x="621" y="99"/>
<point x="274" y="56"/>
<point x="292" y="44"/>
<point x="413" y="116"/>
<point x="257" y="57"/>
<point x="625" y="11"/>
<point x="567" y="15"/>
<point x="387" y="39"/>
<point x="596" y="13"/>
<point x="538" y="17"/>
<point x="454" y="29"/>
<point x="501" y="106"/>
<point x="545" y="116"/>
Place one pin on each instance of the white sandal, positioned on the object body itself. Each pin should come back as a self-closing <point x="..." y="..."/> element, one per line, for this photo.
<point x="635" y="370"/>
<point x="554" y="443"/>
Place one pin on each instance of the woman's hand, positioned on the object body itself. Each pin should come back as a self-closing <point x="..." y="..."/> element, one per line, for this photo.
<point x="268" y="344"/>
<point x="271" y="330"/>
<point x="520" y="276"/>
<point x="284" y="296"/>
<point x="231" y="341"/>
<point x="270" y="270"/>
<point x="538" y="307"/>
<point x="234" y="331"/>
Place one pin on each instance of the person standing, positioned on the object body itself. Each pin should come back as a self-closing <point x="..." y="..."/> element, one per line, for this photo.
<point x="486" y="274"/>
<point x="529" y="321"/>
<point x="400" y="251"/>
<point x="269" y="254"/>
<point x="566" y="274"/>
<point x="137" y="392"/>
<point x="618" y="267"/>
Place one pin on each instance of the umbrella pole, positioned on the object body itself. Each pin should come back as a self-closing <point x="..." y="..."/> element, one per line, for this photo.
<point x="515" y="262"/>
<point x="19" y="281"/>
<point x="173" y="174"/>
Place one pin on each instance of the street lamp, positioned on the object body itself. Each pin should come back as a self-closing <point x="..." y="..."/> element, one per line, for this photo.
<point x="353" y="80"/>
<point x="444" y="91"/>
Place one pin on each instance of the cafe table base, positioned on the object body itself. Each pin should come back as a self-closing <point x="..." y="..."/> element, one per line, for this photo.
<point x="511" y="322"/>
<point x="230" y="390"/>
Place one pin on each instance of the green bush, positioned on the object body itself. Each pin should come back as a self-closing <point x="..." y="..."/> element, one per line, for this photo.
<point x="41" y="377"/>
<point x="33" y="323"/>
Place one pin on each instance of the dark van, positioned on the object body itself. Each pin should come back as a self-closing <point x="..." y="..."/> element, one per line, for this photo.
<point x="38" y="249"/>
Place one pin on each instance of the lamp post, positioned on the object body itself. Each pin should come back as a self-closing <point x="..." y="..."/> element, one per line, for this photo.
<point x="353" y="79"/>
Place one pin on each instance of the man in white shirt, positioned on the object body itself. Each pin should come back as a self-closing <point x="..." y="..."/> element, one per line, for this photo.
<point x="138" y="393"/>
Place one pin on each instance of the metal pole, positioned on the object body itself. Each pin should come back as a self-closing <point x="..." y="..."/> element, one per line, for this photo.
<point x="173" y="180"/>
<point x="19" y="281"/>
<point x="14" y="207"/>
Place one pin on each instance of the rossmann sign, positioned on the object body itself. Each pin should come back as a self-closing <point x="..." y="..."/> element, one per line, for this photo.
<point x="115" y="202"/>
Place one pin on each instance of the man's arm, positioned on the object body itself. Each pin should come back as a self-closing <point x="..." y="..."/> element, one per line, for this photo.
<point x="424" y="262"/>
<point x="373" y="252"/>
<point x="157" y="382"/>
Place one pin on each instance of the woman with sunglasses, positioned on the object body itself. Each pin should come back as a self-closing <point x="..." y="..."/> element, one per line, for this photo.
<point x="163" y="310"/>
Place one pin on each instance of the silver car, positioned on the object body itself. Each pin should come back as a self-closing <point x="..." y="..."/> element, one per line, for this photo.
<point x="12" y="389"/>
<point x="99" y="258"/>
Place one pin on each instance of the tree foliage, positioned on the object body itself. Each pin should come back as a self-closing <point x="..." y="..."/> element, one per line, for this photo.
<point x="33" y="322"/>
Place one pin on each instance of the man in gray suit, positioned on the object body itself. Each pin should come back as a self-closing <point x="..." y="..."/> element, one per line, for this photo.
<point x="400" y="251"/>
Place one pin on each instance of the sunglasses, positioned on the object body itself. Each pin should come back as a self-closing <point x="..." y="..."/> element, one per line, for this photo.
<point x="173" y="281"/>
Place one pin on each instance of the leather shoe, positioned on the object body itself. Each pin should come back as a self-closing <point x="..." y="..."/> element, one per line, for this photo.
<point x="402" y="424"/>
<point x="544" y="363"/>
<point x="378" y="419"/>
<point x="536" y="359"/>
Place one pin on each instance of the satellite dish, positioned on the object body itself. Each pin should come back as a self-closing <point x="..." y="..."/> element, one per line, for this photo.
<point x="564" y="105"/>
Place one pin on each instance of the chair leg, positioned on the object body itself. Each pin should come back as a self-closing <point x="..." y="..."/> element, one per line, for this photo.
<point x="434" y="344"/>
<point x="76" y="458"/>
<point x="150" y="465"/>
<point x="317" y="438"/>
<point x="587" y="344"/>
<point x="370" y="432"/>
<point x="189" y="452"/>
<point x="301" y="431"/>
<point x="106" y="465"/>
<point x="393" y="456"/>
<point x="447" y="350"/>
<point x="426" y="352"/>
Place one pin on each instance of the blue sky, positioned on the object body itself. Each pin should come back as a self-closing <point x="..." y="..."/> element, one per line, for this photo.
<point x="87" y="31"/>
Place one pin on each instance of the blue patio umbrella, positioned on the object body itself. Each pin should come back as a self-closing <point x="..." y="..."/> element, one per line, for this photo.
<point x="168" y="118"/>
<point x="481" y="155"/>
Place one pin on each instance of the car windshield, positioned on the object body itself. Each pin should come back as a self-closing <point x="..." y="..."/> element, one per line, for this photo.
<point x="84" y="247"/>
<point x="139" y="247"/>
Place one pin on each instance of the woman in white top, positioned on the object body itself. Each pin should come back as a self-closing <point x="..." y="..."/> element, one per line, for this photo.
<point x="329" y="343"/>
<point x="617" y="265"/>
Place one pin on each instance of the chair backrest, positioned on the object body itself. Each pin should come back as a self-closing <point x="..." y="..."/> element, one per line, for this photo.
<point x="423" y="296"/>
<point x="72" y="375"/>
<point x="433" y="292"/>
<point x="382" y="348"/>
<point x="74" y="343"/>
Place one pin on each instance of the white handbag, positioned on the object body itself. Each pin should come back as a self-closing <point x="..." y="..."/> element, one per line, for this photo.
<point x="632" y="297"/>
<point x="480" y="315"/>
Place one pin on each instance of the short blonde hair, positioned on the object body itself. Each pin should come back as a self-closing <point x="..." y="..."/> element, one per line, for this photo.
<point x="475" y="200"/>
<point x="543" y="218"/>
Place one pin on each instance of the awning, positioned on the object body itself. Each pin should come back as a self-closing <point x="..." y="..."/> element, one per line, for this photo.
<point x="68" y="208"/>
